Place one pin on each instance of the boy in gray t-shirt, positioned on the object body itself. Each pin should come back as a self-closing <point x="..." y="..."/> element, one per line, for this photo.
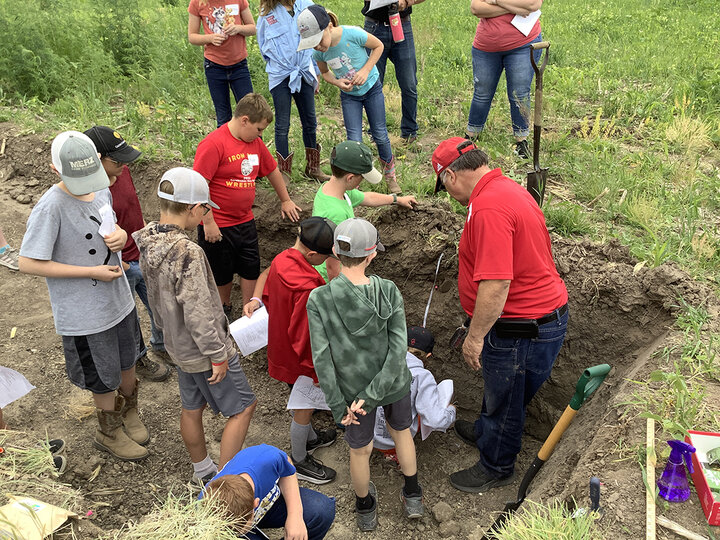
<point x="72" y="240"/>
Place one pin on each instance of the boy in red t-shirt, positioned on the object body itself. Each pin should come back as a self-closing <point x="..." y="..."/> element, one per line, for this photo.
<point x="285" y="288"/>
<point x="231" y="158"/>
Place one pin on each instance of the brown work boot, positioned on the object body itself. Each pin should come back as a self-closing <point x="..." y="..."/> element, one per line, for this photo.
<point x="111" y="438"/>
<point x="134" y="427"/>
<point x="312" y="169"/>
<point x="151" y="370"/>
<point x="285" y="166"/>
<point x="390" y="177"/>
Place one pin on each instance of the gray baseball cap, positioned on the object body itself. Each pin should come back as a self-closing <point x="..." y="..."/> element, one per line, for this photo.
<point x="76" y="159"/>
<point x="362" y="236"/>
<point x="189" y="187"/>
<point x="311" y="23"/>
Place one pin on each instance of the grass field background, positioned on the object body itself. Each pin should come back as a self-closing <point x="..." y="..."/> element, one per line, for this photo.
<point x="632" y="102"/>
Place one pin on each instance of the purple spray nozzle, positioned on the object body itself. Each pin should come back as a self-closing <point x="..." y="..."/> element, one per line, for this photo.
<point x="673" y="483"/>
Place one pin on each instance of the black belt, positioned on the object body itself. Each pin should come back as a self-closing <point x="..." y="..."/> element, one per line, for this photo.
<point x="554" y="316"/>
<point x="385" y="23"/>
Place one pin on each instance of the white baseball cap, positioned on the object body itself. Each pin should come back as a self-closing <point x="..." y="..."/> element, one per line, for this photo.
<point x="311" y="23"/>
<point x="76" y="159"/>
<point x="189" y="187"/>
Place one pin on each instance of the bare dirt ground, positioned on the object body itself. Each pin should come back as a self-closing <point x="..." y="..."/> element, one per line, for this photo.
<point x="618" y="316"/>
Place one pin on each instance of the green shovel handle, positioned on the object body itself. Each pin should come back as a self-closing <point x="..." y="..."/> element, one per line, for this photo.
<point x="588" y="382"/>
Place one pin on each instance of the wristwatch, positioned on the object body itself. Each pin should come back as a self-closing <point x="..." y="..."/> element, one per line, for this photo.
<point x="394" y="196"/>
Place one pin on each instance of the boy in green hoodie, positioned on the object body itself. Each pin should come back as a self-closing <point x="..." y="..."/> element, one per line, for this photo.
<point x="359" y="340"/>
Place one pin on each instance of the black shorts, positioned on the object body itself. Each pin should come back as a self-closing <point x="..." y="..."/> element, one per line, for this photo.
<point x="237" y="252"/>
<point x="398" y="416"/>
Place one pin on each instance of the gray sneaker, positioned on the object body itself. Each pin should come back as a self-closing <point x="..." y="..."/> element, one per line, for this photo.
<point x="150" y="370"/>
<point x="9" y="258"/>
<point x="413" y="506"/>
<point x="367" y="520"/>
<point x="312" y="470"/>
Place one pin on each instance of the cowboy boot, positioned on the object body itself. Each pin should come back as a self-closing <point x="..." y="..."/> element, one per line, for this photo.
<point x="134" y="427"/>
<point x="111" y="438"/>
<point x="312" y="169"/>
<point x="285" y="166"/>
<point x="390" y="177"/>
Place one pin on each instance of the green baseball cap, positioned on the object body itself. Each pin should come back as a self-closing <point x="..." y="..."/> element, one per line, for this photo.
<point x="354" y="157"/>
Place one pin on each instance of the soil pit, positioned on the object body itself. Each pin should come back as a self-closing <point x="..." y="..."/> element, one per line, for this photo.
<point x="619" y="315"/>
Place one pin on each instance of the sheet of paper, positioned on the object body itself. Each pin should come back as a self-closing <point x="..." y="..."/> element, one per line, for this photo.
<point x="525" y="24"/>
<point x="445" y="390"/>
<point x="374" y="4"/>
<point x="12" y="386"/>
<point x="251" y="334"/>
<point x="107" y="220"/>
<point x="305" y="395"/>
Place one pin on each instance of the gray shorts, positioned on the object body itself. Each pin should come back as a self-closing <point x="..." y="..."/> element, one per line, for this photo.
<point x="398" y="416"/>
<point x="94" y="362"/>
<point x="230" y="396"/>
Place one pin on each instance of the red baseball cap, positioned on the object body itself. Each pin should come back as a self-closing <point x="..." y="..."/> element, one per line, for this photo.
<point x="447" y="152"/>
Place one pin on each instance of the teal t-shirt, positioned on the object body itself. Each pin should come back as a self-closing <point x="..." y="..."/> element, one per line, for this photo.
<point x="347" y="57"/>
<point x="336" y="210"/>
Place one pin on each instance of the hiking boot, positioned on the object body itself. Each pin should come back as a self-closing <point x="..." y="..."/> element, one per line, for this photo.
<point x="285" y="167"/>
<point x="367" y="520"/>
<point x="476" y="480"/>
<point x="466" y="432"/>
<point x="390" y="176"/>
<point x="163" y="357"/>
<point x="324" y="438"/>
<point x="111" y="437"/>
<point x="60" y="464"/>
<point x="312" y="169"/>
<point x="151" y="370"/>
<point x="134" y="427"/>
<point x="313" y="471"/>
<point x="522" y="149"/>
<point x="413" y="506"/>
<point x="9" y="258"/>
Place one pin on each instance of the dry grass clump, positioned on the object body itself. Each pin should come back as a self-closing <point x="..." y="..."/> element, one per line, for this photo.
<point x="688" y="134"/>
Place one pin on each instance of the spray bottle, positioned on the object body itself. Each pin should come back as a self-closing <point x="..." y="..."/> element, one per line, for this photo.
<point x="673" y="483"/>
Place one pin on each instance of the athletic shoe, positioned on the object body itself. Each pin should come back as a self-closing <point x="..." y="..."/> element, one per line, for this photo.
<point x="324" y="438"/>
<point x="227" y="309"/>
<point x="151" y="370"/>
<point x="476" y="480"/>
<point x="60" y="464"/>
<point x="466" y="432"/>
<point x="367" y="520"/>
<point x="313" y="471"/>
<point x="163" y="356"/>
<point x="197" y="484"/>
<point x="413" y="506"/>
<point x="56" y="446"/>
<point x="9" y="258"/>
<point x="522" y="149"/>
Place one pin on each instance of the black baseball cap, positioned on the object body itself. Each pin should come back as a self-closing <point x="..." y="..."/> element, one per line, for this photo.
<point x="111" y="144"/>
<point x="317" y="234"/>
<point x="420" y="338"/>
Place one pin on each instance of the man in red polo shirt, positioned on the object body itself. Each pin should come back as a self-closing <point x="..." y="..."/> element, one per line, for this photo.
<point x="511" y="289"/>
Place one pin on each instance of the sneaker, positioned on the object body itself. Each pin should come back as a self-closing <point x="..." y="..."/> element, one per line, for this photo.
<point x="313" y="471"/>
<point x="56" y="446"/>
<point x="413" y="506"/>
<point x="197" y="484"/>
<point x="324" y="438"/>
<point x="522" y="149"/>
<point x="466" y="432"/>
<point x="476" y="480"/>
<point x="9" y="258"/>
<point x="227" y="309"/>
<point x="164" y="357"/>
<point x="151" y="370"/>
<point x="367" y="520"/>
<point x="60" y="464"/>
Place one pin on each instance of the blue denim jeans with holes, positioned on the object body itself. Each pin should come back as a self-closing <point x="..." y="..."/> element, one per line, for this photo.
<point x="402" y="55"/>
<point x="513" y="370"/>
<point x="487" y="68"/>
<point x="221" y="79"/>
<point x="373" y="101"/>
<point x="137" y="285"/>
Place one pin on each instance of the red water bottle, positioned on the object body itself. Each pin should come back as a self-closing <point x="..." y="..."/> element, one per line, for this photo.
<point x="395" y="23"/>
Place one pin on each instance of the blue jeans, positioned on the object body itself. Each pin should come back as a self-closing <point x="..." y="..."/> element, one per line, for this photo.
<point x="137" y="284"/>
<point x="318" y="514"/>
<point x="221" y="79"/>
<point x="513" y="370"/>
<point x="402" y="55"/>
<point x="374" y="103"/>
<point x="487" y="67"/>
<point x="305" y="103"/>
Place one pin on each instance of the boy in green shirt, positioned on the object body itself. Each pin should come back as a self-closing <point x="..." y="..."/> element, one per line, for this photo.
<point x="350" y="162"/>
<point x="359" y="340"/>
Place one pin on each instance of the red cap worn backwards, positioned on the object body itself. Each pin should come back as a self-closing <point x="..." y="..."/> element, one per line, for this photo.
<point x="447" y="152"/>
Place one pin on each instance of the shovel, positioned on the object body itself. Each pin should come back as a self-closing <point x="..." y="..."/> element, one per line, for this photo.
<point x="537" y="177"/>
<point x="588" y="382"/>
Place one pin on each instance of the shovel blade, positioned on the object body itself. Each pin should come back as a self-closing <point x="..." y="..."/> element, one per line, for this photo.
<point x="536" y="184"/>
<point x="510" y="508"/>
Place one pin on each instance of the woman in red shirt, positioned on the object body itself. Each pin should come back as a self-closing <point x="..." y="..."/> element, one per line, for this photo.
<point x="225" y="26"/>
<point x="499" y="45"/>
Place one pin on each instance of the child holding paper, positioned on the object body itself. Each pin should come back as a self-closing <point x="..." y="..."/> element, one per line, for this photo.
<point x="285" y="288"/>
<point x="187" y="307"/>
